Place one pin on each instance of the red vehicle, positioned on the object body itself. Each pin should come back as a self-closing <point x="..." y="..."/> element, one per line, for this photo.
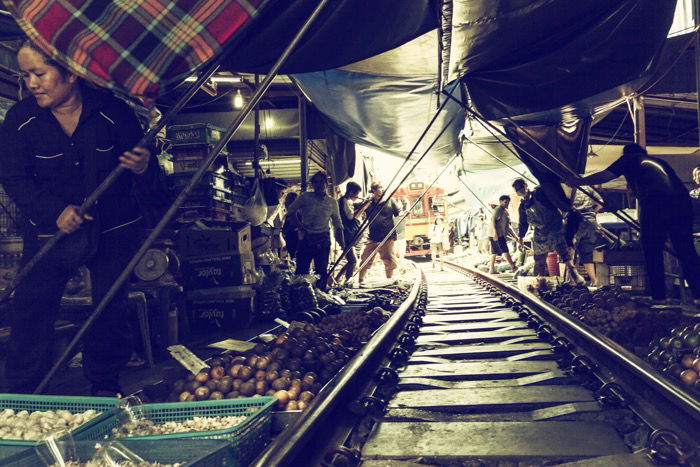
<point x="422" y="215"/>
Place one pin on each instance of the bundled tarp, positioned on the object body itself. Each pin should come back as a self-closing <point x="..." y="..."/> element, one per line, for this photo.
<point x="137" y="47"/>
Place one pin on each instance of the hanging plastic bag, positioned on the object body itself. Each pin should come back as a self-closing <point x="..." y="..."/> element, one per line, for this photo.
<point x="255" y="208"/>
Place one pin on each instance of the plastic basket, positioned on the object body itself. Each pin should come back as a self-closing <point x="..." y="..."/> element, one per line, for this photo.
<point x="32" y="403"/>
<point x="203" y="452"/>
<point x="248" y="438"/>
<point x="179" y="181"/>
<point x="196" y="133"/>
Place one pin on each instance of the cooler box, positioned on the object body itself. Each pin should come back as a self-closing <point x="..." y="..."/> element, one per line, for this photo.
<point x="221" y="270"/>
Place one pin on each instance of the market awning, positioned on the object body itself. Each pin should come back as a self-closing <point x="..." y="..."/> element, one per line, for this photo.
<point x="540" y="61"/>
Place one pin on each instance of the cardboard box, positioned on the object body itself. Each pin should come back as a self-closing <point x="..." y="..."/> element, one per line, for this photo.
<point x="222" y="270"/>
<point x="222" y="308"/>
<point x="201" y="242"/>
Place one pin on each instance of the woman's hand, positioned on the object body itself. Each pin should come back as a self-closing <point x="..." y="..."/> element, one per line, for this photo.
<point x="69" y="220"/>
<point x="136" y="160"/>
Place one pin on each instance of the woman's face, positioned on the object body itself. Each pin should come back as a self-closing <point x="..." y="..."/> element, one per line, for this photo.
<point x="696" y="176"/>
<point x="50" y="88"/>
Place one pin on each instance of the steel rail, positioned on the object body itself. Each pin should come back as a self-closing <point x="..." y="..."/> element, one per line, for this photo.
<point x="124" y="275"/>
<point x="658" y="402"/>
<point x="293" y="442"/>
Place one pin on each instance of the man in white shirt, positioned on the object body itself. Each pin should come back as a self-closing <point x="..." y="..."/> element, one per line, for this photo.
<point x="313" y="211"/>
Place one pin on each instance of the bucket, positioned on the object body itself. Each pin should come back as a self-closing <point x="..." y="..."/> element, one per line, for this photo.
<point x="553" y="264"/>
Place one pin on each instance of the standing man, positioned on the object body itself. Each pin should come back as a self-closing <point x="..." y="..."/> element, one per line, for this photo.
<point x="498" y="233"/>
<point x="548" y="229"/>
<point x="380" y="227"/>
<point x="664" y="212"/>
<point x="313" y="212"/>
<point x="351" y="224"/>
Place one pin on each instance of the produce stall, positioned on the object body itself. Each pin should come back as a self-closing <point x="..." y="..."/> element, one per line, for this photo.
<point x="244" y="397"/>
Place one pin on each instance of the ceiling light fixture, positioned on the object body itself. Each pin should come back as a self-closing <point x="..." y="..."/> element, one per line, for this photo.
<point x="238" y="100"/>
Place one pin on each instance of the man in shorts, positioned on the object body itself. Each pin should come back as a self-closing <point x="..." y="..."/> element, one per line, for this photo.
<point x="499" y="229"/>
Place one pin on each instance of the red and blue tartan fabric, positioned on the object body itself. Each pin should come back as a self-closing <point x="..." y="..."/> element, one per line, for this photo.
<point x="138" y="46"/>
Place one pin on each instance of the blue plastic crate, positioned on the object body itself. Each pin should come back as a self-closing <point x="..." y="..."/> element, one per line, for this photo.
<point x="196" y="133"/>
<point x="186" y="452"/>
<point x="247" y="439"/>
<point x="32" y="403"/>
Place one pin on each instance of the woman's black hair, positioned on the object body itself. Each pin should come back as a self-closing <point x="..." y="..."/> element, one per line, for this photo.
<point x="48" y="60"/>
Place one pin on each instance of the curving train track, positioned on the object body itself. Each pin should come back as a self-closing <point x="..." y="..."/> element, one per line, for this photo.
<point x="471" y="371"/>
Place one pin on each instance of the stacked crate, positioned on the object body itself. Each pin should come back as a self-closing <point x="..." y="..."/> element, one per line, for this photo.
<point x="218" y="274"/>
<point x="211" y="199"/>
<point x="191" y="146"/>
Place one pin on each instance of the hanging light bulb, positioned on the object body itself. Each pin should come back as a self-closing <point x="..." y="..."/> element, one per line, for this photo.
<point x="238" y="100"/>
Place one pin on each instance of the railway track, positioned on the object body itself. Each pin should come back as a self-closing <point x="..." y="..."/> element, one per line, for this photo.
<point x="480" y="374"/>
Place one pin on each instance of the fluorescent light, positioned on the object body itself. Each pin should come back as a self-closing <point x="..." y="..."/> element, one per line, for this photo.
<point x="292" y="160"/>
<point x="216" y="79"/>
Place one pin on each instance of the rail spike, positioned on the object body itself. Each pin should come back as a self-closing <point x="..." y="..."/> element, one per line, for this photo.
<point x="342" y="456"/>
<point x="665" y="447"/>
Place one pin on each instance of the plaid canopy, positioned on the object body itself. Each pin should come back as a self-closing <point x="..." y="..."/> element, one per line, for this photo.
<point x="135" y="46"/>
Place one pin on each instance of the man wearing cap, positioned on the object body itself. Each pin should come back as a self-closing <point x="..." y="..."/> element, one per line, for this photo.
<point x="383" y="223"/>
<point x="313" y="212"/>
<point x="548" y="234"/>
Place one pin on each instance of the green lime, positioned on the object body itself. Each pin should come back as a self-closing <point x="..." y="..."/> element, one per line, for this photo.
<point x="691" y="340"/>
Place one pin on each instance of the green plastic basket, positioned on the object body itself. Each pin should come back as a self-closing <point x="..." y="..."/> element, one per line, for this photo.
<point x="32" y="403"/>
<point x="185" y="452"/>
<point x="248" y="438"/>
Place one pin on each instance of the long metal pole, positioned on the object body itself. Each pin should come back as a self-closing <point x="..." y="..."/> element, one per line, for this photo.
<point x="183" y="195"/>
<point x="393" y="229"/>
<point x="256" y="132"/>
<point x="303" y="152"/>
<point x="112" y="176"/>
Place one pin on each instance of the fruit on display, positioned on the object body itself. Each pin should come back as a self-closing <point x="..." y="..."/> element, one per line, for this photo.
<point x="677" y="354"/>
<point x="301" y="295"/>
<point x="355" y="327"/>
<point x="268" y="300"/>
<point x="609" y="309"/>
<point x="292" y="368"/>
<point x="145" y="427"/>
<point x="35" y="426"/>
